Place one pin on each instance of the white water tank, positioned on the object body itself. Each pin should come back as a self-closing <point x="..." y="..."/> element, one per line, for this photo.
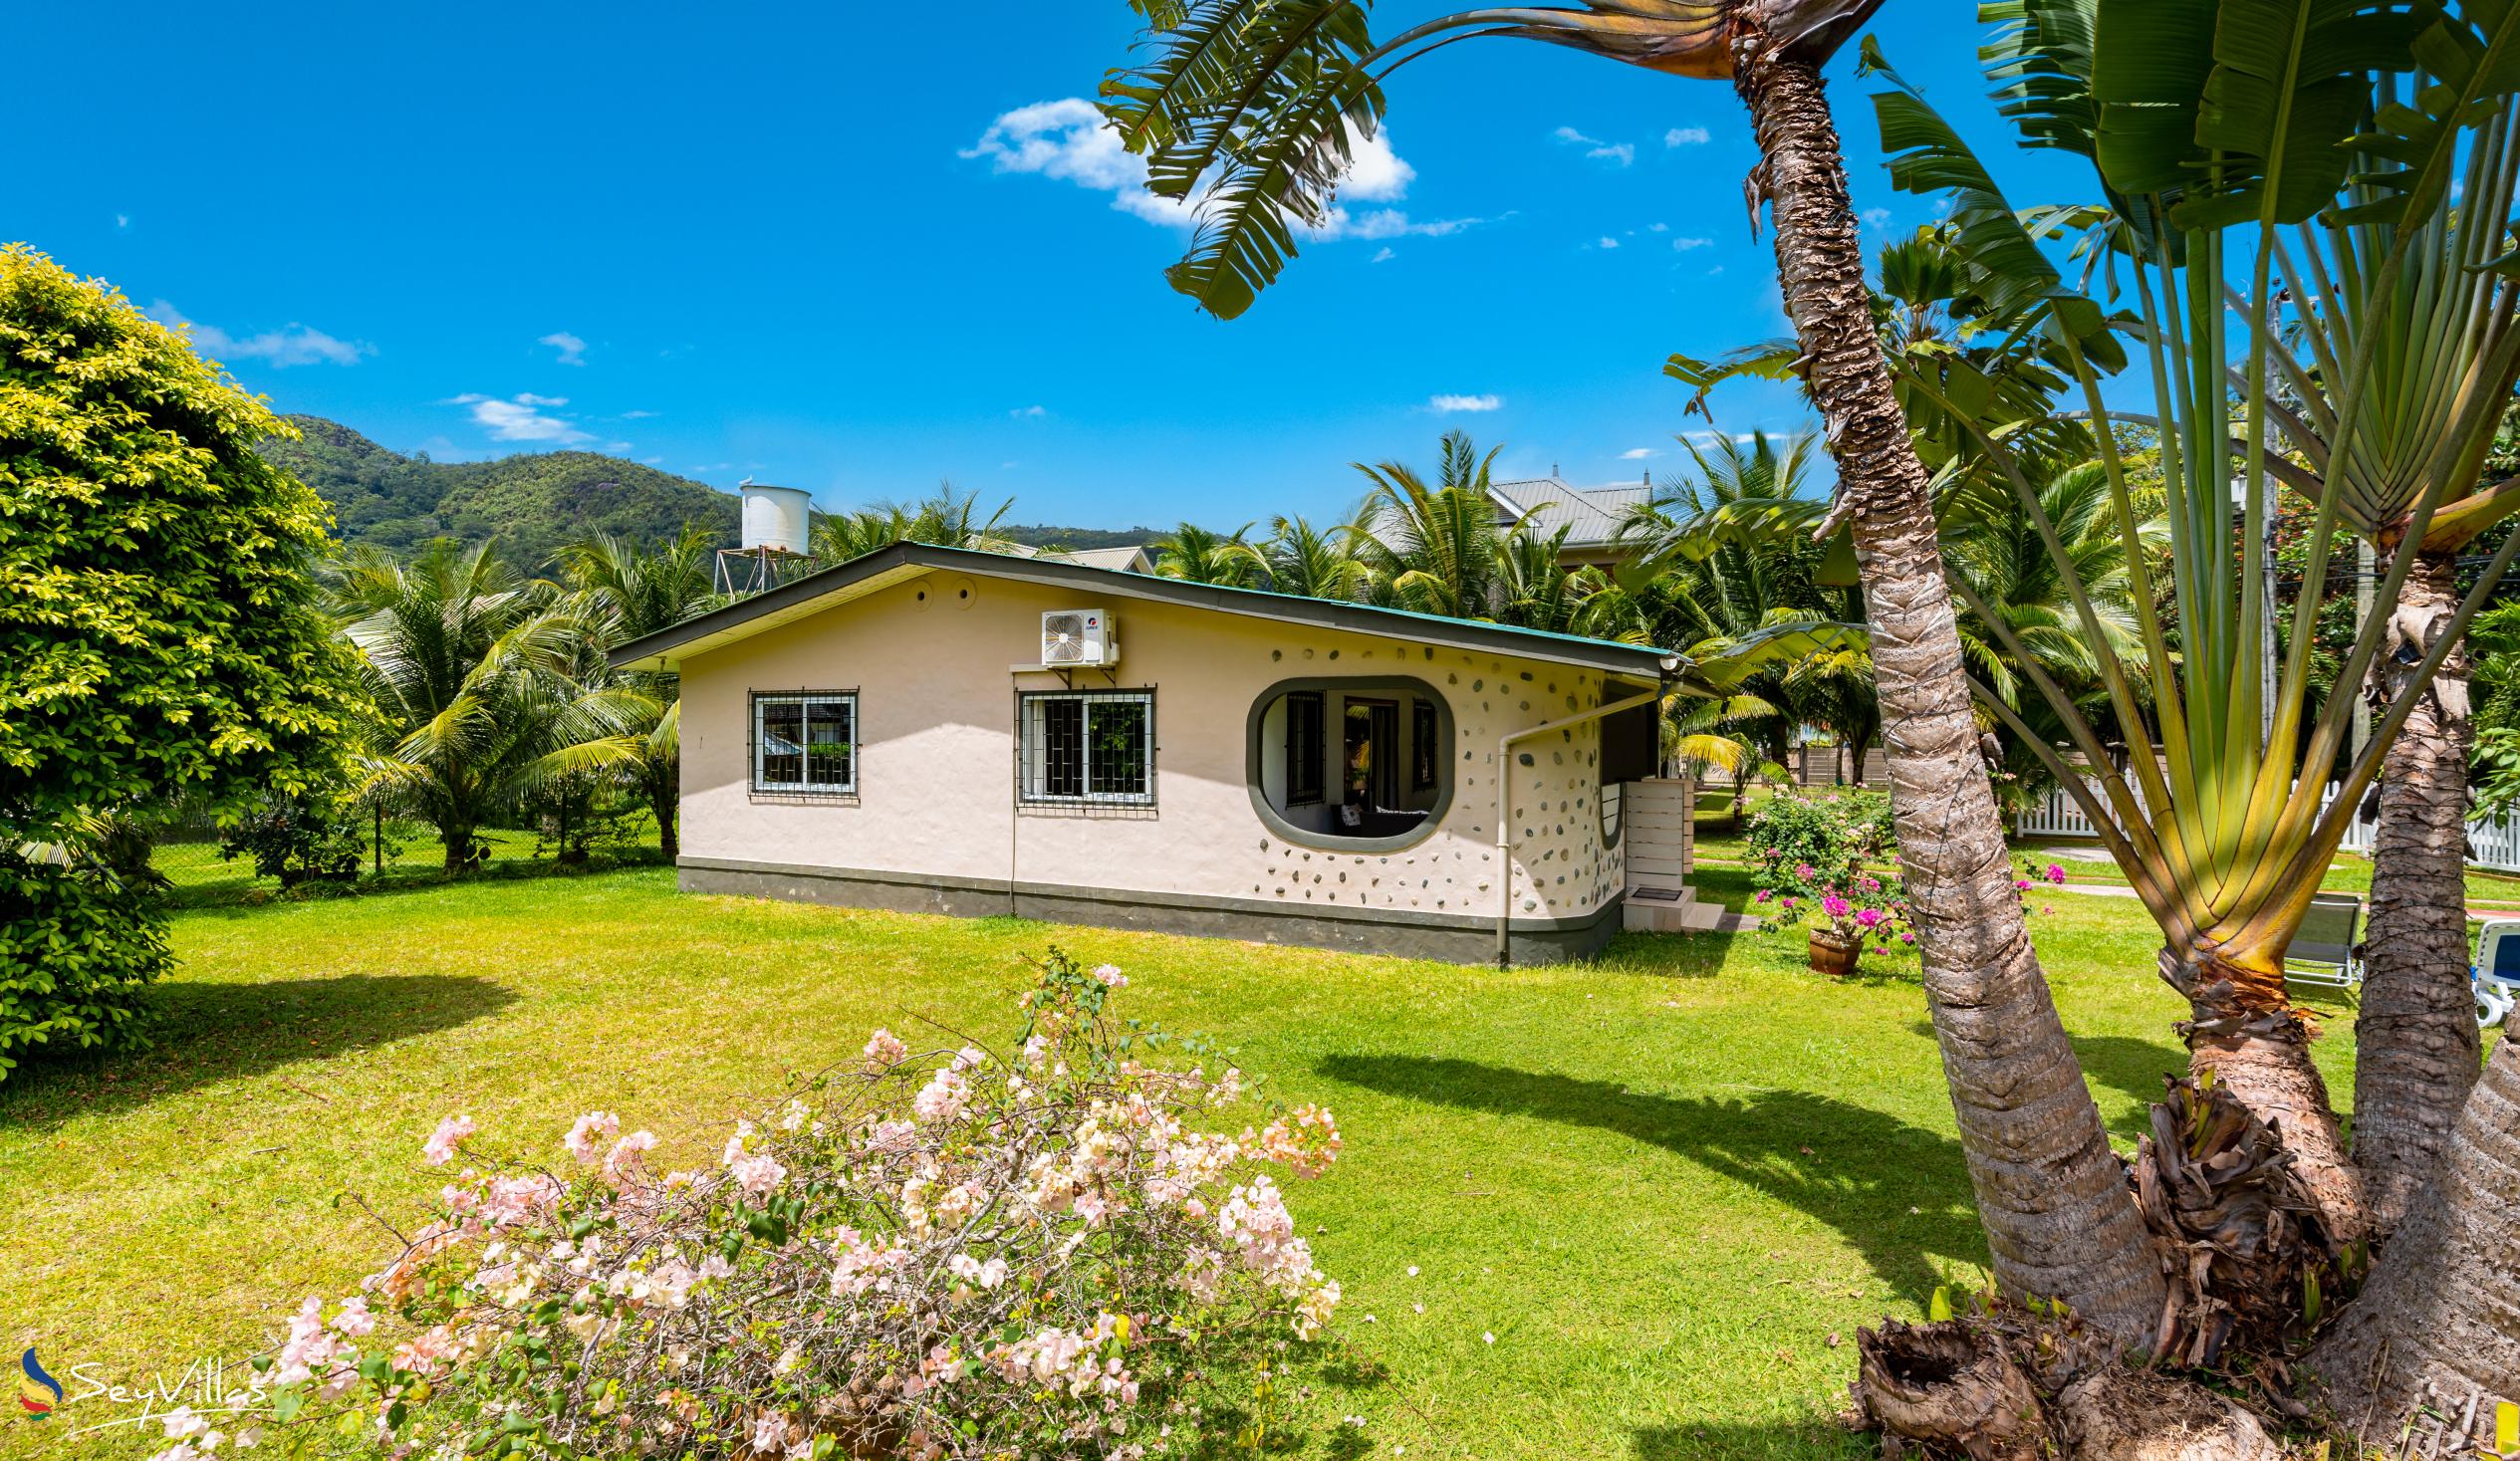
<point x="776" y="518"/>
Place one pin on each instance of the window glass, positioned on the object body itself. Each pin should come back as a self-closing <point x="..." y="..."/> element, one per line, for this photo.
<point x="1088" y="747"/>
<point x="804" y="743"/>
<point x="1304" y="748"/>
<point x="1363" y="761"/>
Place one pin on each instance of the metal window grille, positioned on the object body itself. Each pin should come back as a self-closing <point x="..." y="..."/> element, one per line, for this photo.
<point x="1088" y="747"/>
<point x="804" y="743"/>
<point x="1304" y="748"/>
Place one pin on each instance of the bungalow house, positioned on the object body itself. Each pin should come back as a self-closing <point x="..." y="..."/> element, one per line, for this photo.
<point x="1591" y="514"/>
<point x="938" y="730"/>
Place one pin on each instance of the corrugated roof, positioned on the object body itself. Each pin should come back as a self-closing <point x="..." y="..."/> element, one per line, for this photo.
<point x="901" y="561"/>
<point x="1591" y="514"/>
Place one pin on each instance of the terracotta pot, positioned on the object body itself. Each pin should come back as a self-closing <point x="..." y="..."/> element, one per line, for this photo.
<point x="1834" y="956"/>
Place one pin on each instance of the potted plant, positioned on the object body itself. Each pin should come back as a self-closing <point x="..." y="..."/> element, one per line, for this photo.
<point x="1841" y="919"/>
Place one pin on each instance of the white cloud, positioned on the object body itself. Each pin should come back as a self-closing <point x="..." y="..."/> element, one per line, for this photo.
<point x="1878" y="217"/>
<point x="1657" y="228"/>
<point x="1622" y="154"/>
<point x="1684" y="245"/>
<point x="636" y="415"/>
<point x="294" y="345"/>
<point x="1638" y="453"/>
<point x="121" y="220"/>
<point x="573" y="351"/>
<point x="1384" y="223"/>
<point x="1382" y="255"/>
<point x="617" y="449"/>
<point x="1066" y="139"/>
<point x="1685" y="137"/>
<point x="1447" y="404"/>
<point x="522" y="417"/>
<point x="1031" y="410"/>
<point x="1608" y="242"/>
<point x="1375" y="173"/>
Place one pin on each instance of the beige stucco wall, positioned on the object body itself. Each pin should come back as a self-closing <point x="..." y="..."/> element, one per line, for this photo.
<point x="936" y="724"/>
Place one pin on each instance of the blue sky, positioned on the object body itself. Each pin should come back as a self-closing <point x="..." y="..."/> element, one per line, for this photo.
<point x="861" y="250"/>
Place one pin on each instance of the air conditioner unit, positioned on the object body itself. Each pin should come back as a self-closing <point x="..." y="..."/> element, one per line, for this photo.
<point x="1078" y="637"/>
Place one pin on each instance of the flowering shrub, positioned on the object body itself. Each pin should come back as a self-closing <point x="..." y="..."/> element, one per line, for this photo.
<point x="1863" y="908"/>
<point x="959" y="1253"/>
<point x="1804" y="844"/>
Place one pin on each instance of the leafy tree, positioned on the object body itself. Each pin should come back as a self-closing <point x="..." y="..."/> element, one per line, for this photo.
<point x="160" y="634"/>
<point x="626" y="594"/>
<point x="481" y="676"/>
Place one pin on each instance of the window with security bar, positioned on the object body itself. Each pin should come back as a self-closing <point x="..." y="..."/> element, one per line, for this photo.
<point x="805" y="744"/>
<point x="1089" y="748"/>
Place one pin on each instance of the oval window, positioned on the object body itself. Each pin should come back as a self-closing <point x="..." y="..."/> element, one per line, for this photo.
<point x="1351" y="764"/>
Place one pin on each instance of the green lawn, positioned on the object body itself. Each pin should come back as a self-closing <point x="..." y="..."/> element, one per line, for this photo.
<point x="1669" y="1184"/>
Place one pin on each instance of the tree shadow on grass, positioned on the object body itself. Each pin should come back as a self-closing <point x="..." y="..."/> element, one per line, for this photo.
<point x="204" y="1033"/>
<point x="1857" y="1170"/>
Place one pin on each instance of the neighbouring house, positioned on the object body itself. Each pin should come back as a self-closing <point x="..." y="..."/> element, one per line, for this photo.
<point x="1591" y="514"/>
<point x="938" y="730"/>
<point x="1127" y="558"/>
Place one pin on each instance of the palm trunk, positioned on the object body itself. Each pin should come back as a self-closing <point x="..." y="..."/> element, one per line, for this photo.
<point x="2246" y="1038"/>
<point x="662" y="793"/>
<point x="2440" y="1322"/>
<point x="2050" y="1193"/>
<point x="2416" y="1049"/>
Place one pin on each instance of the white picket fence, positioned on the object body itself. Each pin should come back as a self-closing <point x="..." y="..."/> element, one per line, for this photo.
<point x="2495" y="841"/>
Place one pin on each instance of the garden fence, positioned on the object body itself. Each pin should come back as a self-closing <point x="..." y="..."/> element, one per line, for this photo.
<point x="2493" y="843"/>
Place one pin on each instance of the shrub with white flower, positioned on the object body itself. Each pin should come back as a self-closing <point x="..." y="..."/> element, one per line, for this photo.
<point x="951" y="1254"/>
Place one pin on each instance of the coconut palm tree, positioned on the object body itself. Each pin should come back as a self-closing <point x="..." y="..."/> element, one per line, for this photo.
<point x="1197" y="555"/>
<point x="1436" y="549"/>
<point x="1537" y="591"/>
<point x="1252" y="111"/>
<point x="1728" y="548"/>
<point x="945" y="518"/>
<point x="1298" y="558"/>
<point x="476" y="669"/>
<point x="624" y="594"/>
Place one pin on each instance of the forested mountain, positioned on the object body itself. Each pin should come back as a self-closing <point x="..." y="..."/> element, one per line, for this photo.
<point x="531" y="503"/>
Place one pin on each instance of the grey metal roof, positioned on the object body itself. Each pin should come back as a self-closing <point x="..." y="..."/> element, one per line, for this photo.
<point x="1591" y="514"/>
<point x="903" y="562"/>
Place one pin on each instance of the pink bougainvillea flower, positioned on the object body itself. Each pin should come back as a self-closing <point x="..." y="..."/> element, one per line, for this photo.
<point x="1867" y="917"/>
<point x="440" y="1150"/>
<point x="590" y="1134"/>
<point x="1764" y="894"/>
<point x="1111" y="976"/>
<point x="884" y="1050"/>
<point x="2056" y="873"/>
<point x="1835" y="906"/>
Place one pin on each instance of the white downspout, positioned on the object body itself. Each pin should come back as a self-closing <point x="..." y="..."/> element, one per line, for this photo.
<point x="1505" y="801"/>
